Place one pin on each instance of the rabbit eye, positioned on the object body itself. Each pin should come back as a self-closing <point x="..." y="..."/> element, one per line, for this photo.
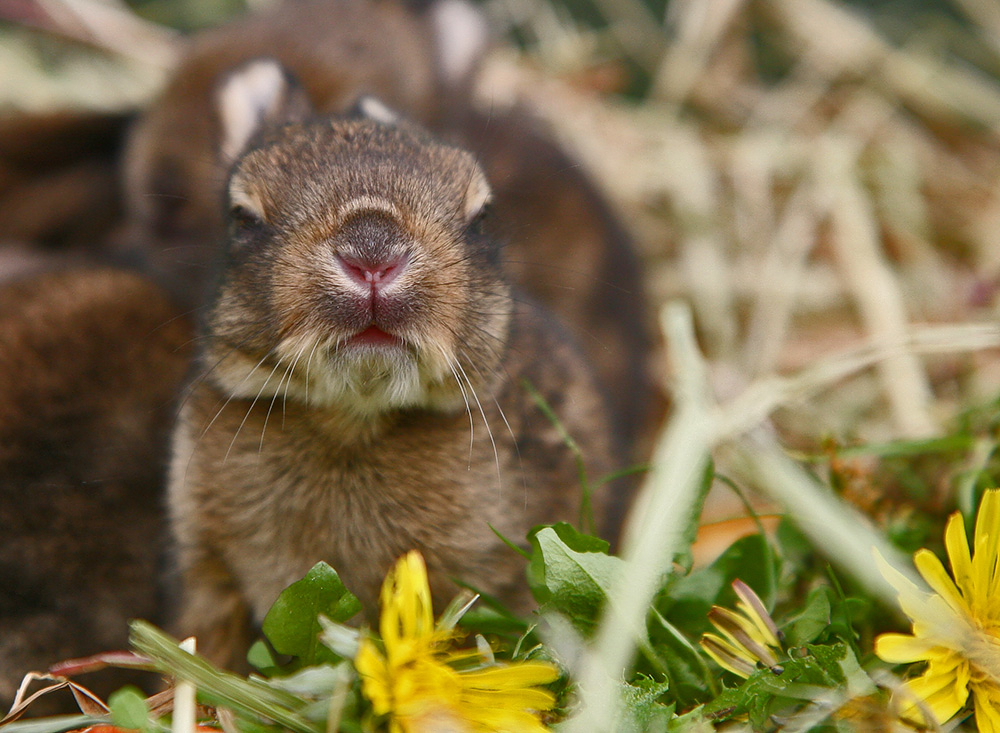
<point x="243" y="217"/>
<point x="479" y="219"/>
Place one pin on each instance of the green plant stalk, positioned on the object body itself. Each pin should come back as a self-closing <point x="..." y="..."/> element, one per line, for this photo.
<point x="663" y="511"/>
<point x="587" y="523"/>
<point x="845" y="535"/>
<point x="223" y="688"/>
<point x="56" y="724"/>
<point x="706" y="673"/>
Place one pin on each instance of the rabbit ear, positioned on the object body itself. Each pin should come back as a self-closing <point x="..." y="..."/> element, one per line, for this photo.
<point x="259" y="95"/>
<point x="462" y="37"/>
<point x="373" y="108"/>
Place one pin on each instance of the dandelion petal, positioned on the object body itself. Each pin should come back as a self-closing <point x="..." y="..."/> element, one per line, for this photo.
<point x="988" y="709"/>
<point x="937" y="578"/>
<point x="941" y="692"/>
<point x="957" y="544"/>
<point x="525" y="674"/>
<point x="903" y="648"/>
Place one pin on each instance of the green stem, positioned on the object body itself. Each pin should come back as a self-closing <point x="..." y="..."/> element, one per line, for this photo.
<point x="223" y="688"/>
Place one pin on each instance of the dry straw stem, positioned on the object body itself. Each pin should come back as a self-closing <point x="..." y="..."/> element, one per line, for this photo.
<point x="695" y="28"/>
<point x="124" y="62"/>
<point x="656" y="527"/>
<point x="873" y="286"/>
<point x="838" y="41"/>
<point x="780" y="279"/>
<point x="984" y="14"/>
<point x="184" y="720"/>
<point x="634" y="28"/>
<point x="704" y="251"/>
<point x="112" y="27"/>
<point x="84" y="80"/>
<point x="844" y="534"/>
<point x="802" y="215"/>
<point x="764" y="396"/>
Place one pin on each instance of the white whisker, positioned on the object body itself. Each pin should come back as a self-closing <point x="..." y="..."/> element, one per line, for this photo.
<point x="232" y="395"/>
<point x="249" y="410"/>
<point x="468" y="408"/>
<point x="513" y="438"/>
<point x="284" y="395"/>
<point x="489" y="430"/>
<point x="274" y="398"/>
<point x="308" y="365"/>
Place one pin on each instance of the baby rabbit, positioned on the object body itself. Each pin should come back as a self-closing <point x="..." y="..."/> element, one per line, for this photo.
<point x="366" y="374"/>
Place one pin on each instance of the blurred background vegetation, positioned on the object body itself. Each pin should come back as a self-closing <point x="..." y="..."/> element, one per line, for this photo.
<point x="817" y="179"/>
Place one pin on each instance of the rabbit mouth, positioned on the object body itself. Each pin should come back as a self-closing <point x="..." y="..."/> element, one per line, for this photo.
<point x="374" y="337"/>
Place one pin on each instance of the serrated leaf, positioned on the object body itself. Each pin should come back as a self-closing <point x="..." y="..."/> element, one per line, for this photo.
<point x="694" y="721"/>
<point x="799" y="681"/>
<point x="292" y="625"/>
<point x="574" y="582"/>
<point x="680" y="661"/>
<point x="128" y="708"/>
<point x="641" y="699"/>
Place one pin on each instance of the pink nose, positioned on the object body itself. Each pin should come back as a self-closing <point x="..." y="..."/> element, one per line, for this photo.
<point x="374" y="274"/>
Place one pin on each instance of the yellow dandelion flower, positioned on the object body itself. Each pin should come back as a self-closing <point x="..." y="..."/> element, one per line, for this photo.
<point x="416" y="681"/>
<point x="956" y="629"/>
<point x="749" y="635"/>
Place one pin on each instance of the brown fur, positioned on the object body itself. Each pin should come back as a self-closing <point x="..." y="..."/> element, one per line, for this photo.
<point x="91" y="362"/>
<point x="58" y="180"/>
<point x="566" y="248"/>
<point x="174" y="173"/>
<point x="289" y="452"/>
<point x="564" y="245"/>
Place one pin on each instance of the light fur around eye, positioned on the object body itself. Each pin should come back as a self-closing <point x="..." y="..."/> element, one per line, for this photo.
<point x="245" y="203"/>
<point x="477" y="196"/>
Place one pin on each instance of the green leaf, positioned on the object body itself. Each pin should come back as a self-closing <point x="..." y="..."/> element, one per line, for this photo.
<point x="682" y="663"/>
<point x="292" y="625"/>
<point x="642" y="704"/>
<point x="684" y="558"/>
<point x="685" y="601"/>
<point x="571" y="573"/>
<point x="252" y="699"/>
<point x="857" y="681"/>
<point x="128" y="709"/>
<point x="487" y="620"/>
<point x="261" y="658"/>
<point x="56" y="724"/>
<point x="796" y="683"/>
<point x="812" y="621"/>
<point x="694" y="721"/>
<point x="575" y="539"/>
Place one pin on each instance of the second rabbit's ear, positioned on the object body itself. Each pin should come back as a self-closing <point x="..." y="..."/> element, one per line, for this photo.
<point x="373" y="108"/>
<point x="462" y="36"/>
<point x="259" y="95"/>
